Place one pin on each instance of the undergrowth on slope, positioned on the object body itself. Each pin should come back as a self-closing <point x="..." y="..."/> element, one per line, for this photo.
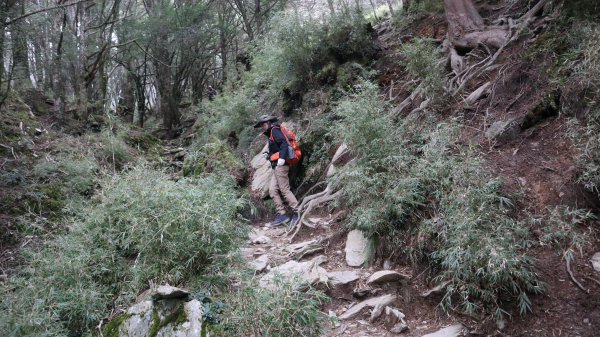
<point x="416" y="192"/>
<point x="285" y="310"/>
<point x="564" y="229"/>
<point x="141" y="228"/>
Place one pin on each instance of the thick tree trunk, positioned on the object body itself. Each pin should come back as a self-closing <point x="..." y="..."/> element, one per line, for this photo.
<point x="164" y="79"/>
<point x="466" y="29"/>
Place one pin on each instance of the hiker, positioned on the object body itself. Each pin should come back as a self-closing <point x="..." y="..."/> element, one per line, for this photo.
<point x="280" y="182"/>
<point x="211" y="93"/>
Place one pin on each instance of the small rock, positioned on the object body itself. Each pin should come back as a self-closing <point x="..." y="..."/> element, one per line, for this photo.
<point x="586" y="321"/>
<point x="503" y="131"/>
<point x="261" y="179"/>
<point x="356" y="248"/>
<point x="394" y="315"/>
<point x="388" y="265"/>
<point x="371" y="302"/>
<point x="385" y="276"/>
<point x="501" y="324"/>
<point x="260" y="240"/>
<point x="361" y="291"/>
<point x="168" y="292"/>
<point x="596" y="262"/>
<point x="399" y="328"/>
<point x="261" y="263"/>
<point x="450" y="331"/>
<point x="299" y="272"/>
<point x="342" y="277"/>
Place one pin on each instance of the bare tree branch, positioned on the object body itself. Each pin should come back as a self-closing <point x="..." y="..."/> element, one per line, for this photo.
<point x="9" y="22"/>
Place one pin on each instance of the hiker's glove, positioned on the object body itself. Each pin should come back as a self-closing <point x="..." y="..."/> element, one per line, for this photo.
<point x="265" y="155"/>
<point x="280" y="162"/>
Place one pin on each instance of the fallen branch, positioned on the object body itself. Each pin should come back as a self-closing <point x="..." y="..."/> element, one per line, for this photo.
<point x="568" y="262"/>
<point x="10" y="22"/>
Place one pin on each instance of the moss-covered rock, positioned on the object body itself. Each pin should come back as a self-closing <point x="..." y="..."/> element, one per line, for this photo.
<point x="111" y="329"/>
<point x="548" y="106"/>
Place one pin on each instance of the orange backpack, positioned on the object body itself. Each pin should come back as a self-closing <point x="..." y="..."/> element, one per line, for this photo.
<point x="294" y="152"/>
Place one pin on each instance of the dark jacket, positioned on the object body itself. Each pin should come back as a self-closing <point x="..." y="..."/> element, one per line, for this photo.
<point x="278" y="144"/>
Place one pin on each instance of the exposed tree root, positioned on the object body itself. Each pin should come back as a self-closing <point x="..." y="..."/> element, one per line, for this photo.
<point x="490" y="37"/>
<point x="477" y="94"/>
<point x="594" y="280"/>
<point x="310" y="203"/>
<point x="407" y="101"/>
<point x="568" y="262"/>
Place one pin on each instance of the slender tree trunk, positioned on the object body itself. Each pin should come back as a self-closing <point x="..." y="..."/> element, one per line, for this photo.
<point x="61" y="79"/>
<point x="391" y="8"/>
<point x="20" y="51"/>
<point x="3" y="16"/>
<point x="374" y="8"/>
<point x="331" y="7"/>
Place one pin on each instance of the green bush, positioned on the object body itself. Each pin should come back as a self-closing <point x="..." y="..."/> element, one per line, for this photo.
<point x="142" y="228"/>
<point x="214" y="157"/>
<point x="425" y="63"/>
<point x="230" y="113"/>
<point x="587" y="140"/>
<point x="563" y="229"/>
<point x="297" y="52"/>
<point x="76" y="174"/>
<point x="111" y="150"/>
<point x="414" y="192"/>
<point x="288" y="311"/>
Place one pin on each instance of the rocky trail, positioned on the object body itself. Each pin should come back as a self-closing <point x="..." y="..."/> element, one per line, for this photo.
<point x="365" y="301"/>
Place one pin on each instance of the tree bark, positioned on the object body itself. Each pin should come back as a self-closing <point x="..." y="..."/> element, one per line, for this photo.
<point x="466" y="29"/>
<point x="20" y="51"/>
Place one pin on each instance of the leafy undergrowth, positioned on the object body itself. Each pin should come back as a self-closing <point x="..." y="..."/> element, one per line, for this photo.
<point x="141" y="228"/>
<point x="416" y="192"/>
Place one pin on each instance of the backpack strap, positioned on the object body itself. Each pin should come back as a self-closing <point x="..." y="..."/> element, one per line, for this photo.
<point x="283" y="131"/>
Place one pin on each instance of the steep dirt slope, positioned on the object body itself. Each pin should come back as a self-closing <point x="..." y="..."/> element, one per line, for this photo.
<point x="536" y="162"/>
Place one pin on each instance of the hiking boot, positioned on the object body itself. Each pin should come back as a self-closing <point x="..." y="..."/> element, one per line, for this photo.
<point x="280" y="219"/>
<point x="294" y="220"/>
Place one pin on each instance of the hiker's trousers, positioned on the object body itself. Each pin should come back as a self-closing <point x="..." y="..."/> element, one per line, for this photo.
<point x="280" y="186"/>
